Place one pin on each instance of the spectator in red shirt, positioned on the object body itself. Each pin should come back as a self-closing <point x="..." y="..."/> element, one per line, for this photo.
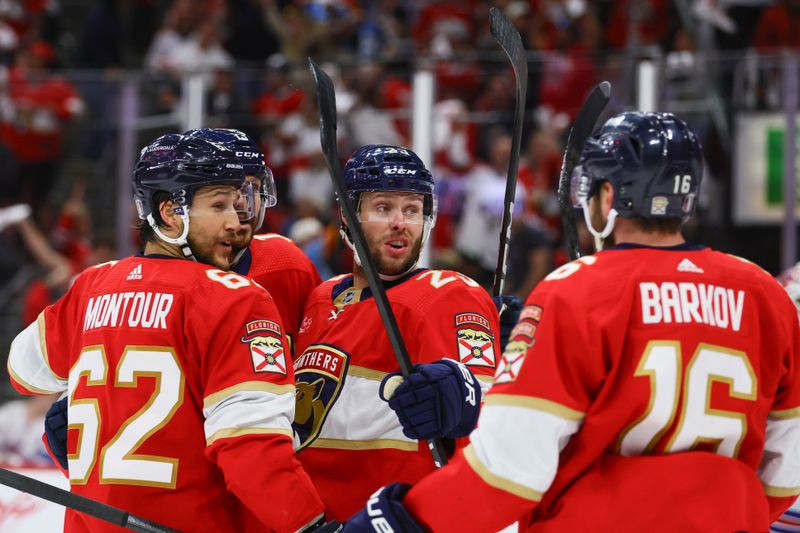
<point x="779" y="27"/>
<point x="42" y="104"/>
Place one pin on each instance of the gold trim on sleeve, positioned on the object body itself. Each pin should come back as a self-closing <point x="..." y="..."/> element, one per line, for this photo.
<point x="784" y="414"/>
<point x="781" y="492"/>
<point x="485" y="379"/>
<point x="496" y="481"/>
<point x="238" y="432"/>
<point x="256" y="386"/>
<point x="366" y="373"/>
<point x="28" y="386"/>
<point x="42" y="326"/>
<point x="375" y="444"/>
<point x="539" y="404"/>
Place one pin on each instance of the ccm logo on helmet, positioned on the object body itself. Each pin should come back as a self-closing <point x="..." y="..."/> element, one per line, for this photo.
<point x="246" y="154"/>
<point x="399" y="170"/>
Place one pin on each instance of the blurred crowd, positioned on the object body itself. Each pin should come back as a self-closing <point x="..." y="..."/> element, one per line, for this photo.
<point x="250" y="55"/>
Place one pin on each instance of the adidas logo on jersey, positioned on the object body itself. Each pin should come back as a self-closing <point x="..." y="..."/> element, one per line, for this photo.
<point x="688" y="266"/>
<point x="136" y="273"/>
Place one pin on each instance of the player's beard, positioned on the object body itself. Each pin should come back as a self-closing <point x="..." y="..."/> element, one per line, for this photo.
<point x="243" y="237"/>
<point x="206" y="256"/>
<point x="394" y="267"/>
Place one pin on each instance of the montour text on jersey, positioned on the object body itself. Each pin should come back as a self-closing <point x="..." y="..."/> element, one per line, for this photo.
<point x="128" y="309"/>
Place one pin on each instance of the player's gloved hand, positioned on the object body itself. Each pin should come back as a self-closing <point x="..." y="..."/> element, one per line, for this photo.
<point x="440" y="399"/>
<point x="509" y="315"/>
<point x="55" y="430"/>
<point x="384" y="511"/>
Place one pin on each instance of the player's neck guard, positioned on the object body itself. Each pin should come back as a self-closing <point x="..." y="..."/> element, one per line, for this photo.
<point x="181" y="240"/>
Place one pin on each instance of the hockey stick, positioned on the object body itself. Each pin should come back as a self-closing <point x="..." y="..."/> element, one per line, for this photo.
<point x="581" y="130"/>
<point x="326" y="101"/>
<point x="509" y="40"/>
<point x="80" y="503"/>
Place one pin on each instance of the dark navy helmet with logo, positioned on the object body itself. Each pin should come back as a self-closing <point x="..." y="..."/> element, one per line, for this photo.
<point x="380" y="167"/>
<point x="249" y="154"/>
<point x="180" y="165"/>
<point x="653" y="160"/>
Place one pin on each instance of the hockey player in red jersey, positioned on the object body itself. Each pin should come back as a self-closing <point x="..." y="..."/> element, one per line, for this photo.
<point x="179" y="381"/>
<point x="345" y="364"/>
<point x="651" y="386"/>
<point x="271" y="260"/>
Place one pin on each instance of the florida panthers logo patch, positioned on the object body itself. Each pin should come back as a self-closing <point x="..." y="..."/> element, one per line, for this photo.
<point x="521" y="338"/>
<point x="475" y="340"/>
<point x="266" y="347"/>
<point x="319" y="374"/>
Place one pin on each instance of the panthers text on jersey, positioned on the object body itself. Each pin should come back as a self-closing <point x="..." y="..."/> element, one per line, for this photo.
<point x="181" y="396"/>
<point x="351" y="441"/>
<point x="620" y="364"/>
<point x="278" y="265"/>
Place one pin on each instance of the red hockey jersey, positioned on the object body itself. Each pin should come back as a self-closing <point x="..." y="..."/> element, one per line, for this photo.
<point x="181" y="396"/>
<point x="352" y="442"/>
<point x="622" y="361"/>
<point x="278" y="265"/>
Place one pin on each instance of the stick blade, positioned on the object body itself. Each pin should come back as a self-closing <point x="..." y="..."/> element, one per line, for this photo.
<point x="326" y="104"/>
<point x="581" y="129"/>
<point x="510" y="41"/>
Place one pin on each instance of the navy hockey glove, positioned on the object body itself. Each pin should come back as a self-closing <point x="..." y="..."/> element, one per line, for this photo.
<point x="55" y="430"/>
<point x="508" y="316"/>
<point x="384" y="511"/>
<point x="440" y="399"/>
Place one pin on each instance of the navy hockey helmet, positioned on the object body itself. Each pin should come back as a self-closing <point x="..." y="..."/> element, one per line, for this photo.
<point x="654" y="161"/>
<point x="249" y="154"/>
<point x="381" y="167"/>
<point x="180" y="165"/>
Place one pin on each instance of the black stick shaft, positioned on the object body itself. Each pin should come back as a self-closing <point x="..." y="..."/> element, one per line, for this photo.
<point x="581" y="129"/>
<point x="510" y="41"/>
<point x="326" y="100"/>
<point x="80" y="503"/>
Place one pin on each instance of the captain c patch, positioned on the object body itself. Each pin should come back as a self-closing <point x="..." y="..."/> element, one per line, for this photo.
<point x="266" y="346"/>
<point x="475" y="339"/>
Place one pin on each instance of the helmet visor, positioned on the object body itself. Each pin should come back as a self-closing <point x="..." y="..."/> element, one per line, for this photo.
<point x="216" y="200"/>
<point x="388" y="207"/>
<point x="246" y="203"/>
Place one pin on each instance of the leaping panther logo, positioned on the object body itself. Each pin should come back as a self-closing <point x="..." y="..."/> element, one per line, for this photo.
<point x="319" y="373"/>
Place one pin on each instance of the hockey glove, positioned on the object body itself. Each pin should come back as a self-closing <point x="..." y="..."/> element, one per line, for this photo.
<point x="384" y="511"/>
<point x="508" y="315"/>
<point x="440" y="399"/>
<point x="55" y="430"/>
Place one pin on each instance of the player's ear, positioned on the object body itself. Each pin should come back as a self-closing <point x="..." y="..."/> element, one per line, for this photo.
<point x="172" y="222"/>
<point x="606" y="197"/>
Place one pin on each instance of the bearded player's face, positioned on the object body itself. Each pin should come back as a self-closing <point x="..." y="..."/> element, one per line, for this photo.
<point x="246" y="229"/>
<point x="393" y="224"/>
<point x="212" y="225"/>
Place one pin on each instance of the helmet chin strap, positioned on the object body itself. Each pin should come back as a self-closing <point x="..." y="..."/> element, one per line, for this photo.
<point x="181" y="240"/>
<point x="599" y="236"/>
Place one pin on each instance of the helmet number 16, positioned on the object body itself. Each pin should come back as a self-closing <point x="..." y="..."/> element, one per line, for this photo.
<point x="683" y="184"/>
